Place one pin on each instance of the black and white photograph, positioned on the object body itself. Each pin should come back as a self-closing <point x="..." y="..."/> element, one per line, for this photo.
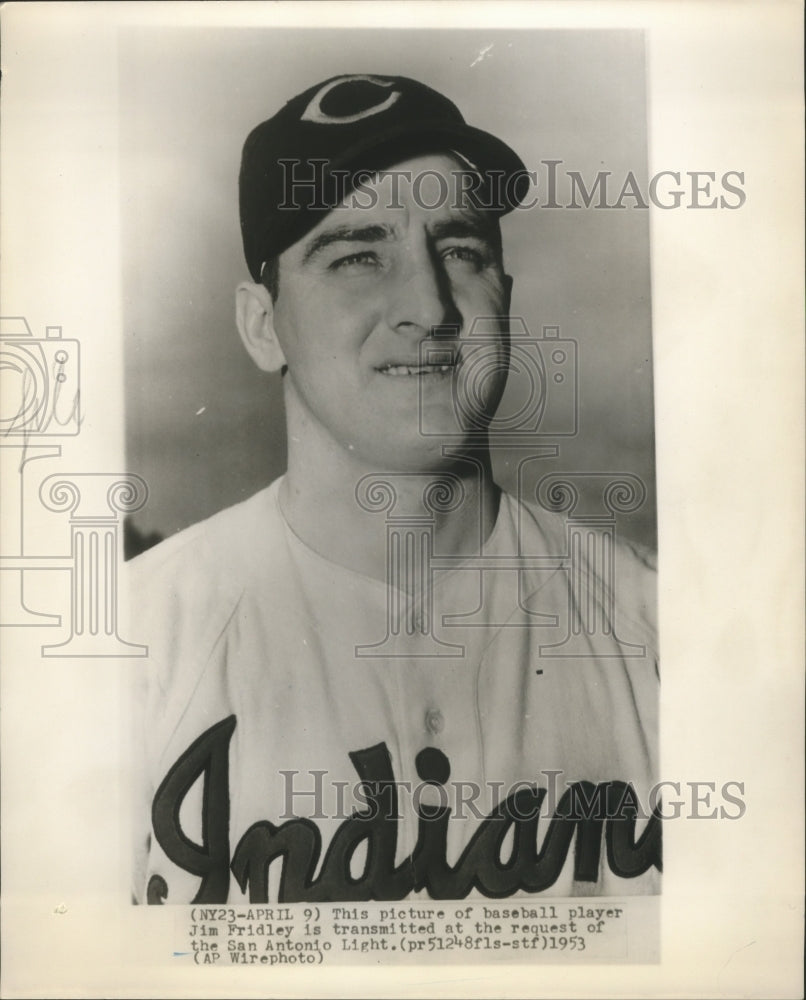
<point x="386" y="549"/>
<point x="421" y="660"/>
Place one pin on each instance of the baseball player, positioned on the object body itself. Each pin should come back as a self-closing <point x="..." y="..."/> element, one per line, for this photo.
<point x="374" y="679"/>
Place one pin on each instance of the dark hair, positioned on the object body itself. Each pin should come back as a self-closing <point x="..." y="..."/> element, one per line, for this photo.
<point x="270" y="277"/>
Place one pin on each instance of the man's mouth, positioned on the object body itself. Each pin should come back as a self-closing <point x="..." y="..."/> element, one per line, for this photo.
<point x="419" y="370"/>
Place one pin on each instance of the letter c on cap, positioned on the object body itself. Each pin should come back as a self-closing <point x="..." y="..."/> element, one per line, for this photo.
<point x="314" y="112"/>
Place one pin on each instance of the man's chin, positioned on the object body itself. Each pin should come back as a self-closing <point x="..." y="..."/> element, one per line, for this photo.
<point x="434" y="452"/>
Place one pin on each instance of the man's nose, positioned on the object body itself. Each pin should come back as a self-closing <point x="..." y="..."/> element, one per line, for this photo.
<point x="422" y="299"/>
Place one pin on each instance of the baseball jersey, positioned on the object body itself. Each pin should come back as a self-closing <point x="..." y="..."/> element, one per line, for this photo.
<point x="306" y="732"/>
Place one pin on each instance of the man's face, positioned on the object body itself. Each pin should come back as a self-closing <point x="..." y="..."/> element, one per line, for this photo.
<point x="359" y="299"/>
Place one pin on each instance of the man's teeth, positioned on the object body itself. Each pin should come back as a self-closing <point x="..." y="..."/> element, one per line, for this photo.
<point x="414" y="369"/>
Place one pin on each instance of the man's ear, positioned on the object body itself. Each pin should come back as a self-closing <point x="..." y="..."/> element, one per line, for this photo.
<point x="254" y="315"/>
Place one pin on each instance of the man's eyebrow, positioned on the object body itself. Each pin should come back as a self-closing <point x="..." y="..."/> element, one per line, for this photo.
<point x="346" y="234"/>
<point x="455" y="228"/>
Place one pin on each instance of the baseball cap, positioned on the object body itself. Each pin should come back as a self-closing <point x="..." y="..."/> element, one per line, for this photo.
<point x="301" y="163"/>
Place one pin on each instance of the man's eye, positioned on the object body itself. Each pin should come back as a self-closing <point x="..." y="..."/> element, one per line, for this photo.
<point x="463" y="253"/>
<point x="364" y="258"/>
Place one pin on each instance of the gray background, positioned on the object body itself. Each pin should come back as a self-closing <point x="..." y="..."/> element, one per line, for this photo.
<point x="203" y="426"/>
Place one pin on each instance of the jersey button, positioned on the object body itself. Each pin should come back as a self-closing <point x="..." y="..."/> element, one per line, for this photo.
<point x="434" y="721"/>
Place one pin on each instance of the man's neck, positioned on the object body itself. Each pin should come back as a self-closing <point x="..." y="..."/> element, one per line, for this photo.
<point x="343" y="509"/>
